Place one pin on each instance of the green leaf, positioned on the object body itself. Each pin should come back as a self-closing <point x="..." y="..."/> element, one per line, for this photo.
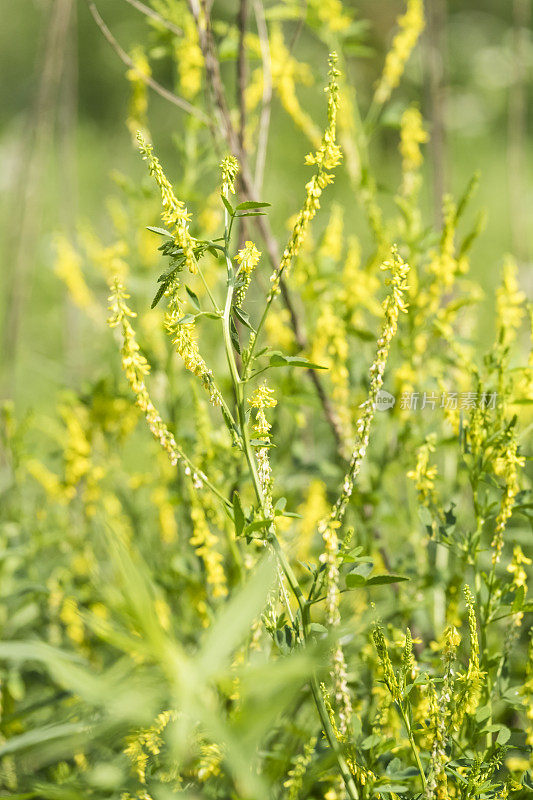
<point x="518" y="601"/>
<point x="257" y="525"/>
<point x="159" y="294"/>
<point x="229" y="209"/>
<point x="234" y="336"/>
<point x="38" y="736"/>
<point x="389" y="788"/>
<point x="317" y="629"/>
<point x="160" y="231"/>
<point x="503" y="736"/>
<point x="358" y="575"/>
<point x="281" y="360"/>
<point x="377" y="580"/>
<point x="193" y="297"/>
<point x="251" y="204"/>
<point x="238" y="514"/>
<point x="243" y="317"/>
<point x="186" y="319"/>
<point x="281" y="502"/>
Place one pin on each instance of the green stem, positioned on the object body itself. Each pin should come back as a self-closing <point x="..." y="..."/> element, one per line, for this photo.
<point x="413" y="744"/>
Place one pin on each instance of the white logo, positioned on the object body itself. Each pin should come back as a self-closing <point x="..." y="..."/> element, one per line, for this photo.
<point x="384" y="400"/>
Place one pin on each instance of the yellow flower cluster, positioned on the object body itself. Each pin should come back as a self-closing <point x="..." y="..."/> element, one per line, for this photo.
<point x="517" y="570"/>
<point x="507" y="466"/>
<point x="516" y="567"/>
<point x="261" y="399"/>
<point x="509" y="303"/>
<point x="343" y="699"/>
<point x="209" y="763"/>
<point x="527" y="693"/>
<point x="443" y="264"/>
<point x="167" y="518"/>
<point x="437" y="781"/>
<point x="332" y="240"/>
<point x="313" y="510"/>
<point x="424" y="475"/>
<point x="294" y="782"/>
<point x="364" y="777"/>
<point x="330" y="557"/>
<point x="411" y="25"/>
<point x="50" y="482"/>
<point x="110" y="259"/>
<point x="71" y="618"/>
<point x="182" y="336"/>
<point x="389" y="676"/>
<point x="327" y="157"/>
<point x="439" y="713"/>
<point x="136" y="368"/>
<point x="205" y="542"/>
<point x="230" y="169"/>
<point x="147" y="742"/>
<point x="278" y="329"/>
<point x="175" y="216"/>
<point x="68" y="268"/>
<point x="188" y="54"/>
<point x="471" y="683"/>
<point x="137" y="76"/>
<point x="412" y="135"/>
<point x="247" y="258"/>
<point x="393" y="305"/>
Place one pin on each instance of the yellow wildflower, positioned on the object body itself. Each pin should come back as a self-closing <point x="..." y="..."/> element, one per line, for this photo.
<point x="175" y="216"/>
<point x="389" y="676"/>
<point x="50" y="482"/>
<point x="294" y="782"/>
<point x="136" y="368"/>
<point x="516" y="567"/>
<point x="327" y="157"/>
<point x="210" y="760"/>
<point x="278" y="329"/>
<point x="182" y="335"/>
<point x="167" y="517"/>
<point x="509" y="303"/>
<point x="506" y="465"/>
<point x="393" y="305"/>
<point x="411" y="25"/>
<point x="470" y="684"/>
<point x="68" y="267"/>
<point x="412" y="135"/>
<point x="205" y="542"/>
<point x="313" y="510"/>
<point x="137" y="76"/>
<point x="423" y="474"/>
<point x="332" y="241"/>
<point x="261" y="399"/>
<point x="247" y="258"/>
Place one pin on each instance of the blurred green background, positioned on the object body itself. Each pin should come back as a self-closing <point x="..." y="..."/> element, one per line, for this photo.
<point x="62" y="113"/>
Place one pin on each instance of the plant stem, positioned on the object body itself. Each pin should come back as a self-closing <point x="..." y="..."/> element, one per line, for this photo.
<point x="413" y="745"/>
